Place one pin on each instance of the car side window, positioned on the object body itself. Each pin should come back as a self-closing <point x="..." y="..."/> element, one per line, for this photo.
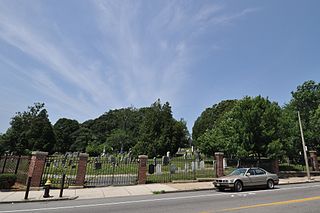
<point x="259" y="172"/>
<point x="251" y="172"/>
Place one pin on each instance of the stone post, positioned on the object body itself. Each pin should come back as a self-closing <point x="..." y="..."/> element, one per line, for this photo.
<point x="314" y="160"/>
<point x="36" y="167"/>
<point x="142" y="169"/>
<point x="219" y="164"/>
<point x="82" y="168"/>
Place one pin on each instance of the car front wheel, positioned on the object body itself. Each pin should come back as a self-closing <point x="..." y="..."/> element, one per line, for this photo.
<point x="238" y="186"/>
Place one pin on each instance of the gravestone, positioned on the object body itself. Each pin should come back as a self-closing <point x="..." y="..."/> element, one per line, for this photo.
<point x="173" y="169"/>
<point x="193" y="166"/>
<point x="151" y="169"/>
<point x="155" y="161"/>
<point x="165" y="160"/>
<point x="225" y="163"/>
<point x="168" y="154"/>
<point x="158" y="169"/>
<point x="196" y="165"/>
<point x="97" y="165"/>
<point x="202" y="165"/>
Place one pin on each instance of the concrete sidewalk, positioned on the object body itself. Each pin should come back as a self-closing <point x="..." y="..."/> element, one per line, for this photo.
<point x="120" y="191"/>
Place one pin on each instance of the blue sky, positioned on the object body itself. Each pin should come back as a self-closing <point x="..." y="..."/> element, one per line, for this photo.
<point x="83" y="58"/>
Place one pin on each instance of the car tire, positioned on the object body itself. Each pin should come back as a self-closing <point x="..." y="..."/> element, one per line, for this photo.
<point x="238" y="186"/>
<point x="270" y="184"/>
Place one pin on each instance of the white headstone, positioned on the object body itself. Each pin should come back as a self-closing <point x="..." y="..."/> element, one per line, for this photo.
<point x="202" y="165"/>
<point x="193" y="167"/>
<point x="225" y="163"/>
<point x="158" y="169"/>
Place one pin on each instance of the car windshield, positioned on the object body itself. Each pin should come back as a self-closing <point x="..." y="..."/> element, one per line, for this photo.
<point x="240" y="172"/>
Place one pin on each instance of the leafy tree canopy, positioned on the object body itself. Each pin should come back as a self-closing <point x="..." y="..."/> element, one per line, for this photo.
<point x="30" y="130"/>
<point x="306" y="100"/>
<point x="63" y="129"/>
<point x="251" y="127"/>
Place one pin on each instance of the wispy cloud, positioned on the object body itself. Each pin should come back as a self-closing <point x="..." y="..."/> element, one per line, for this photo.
<point x="141" y="50"/>
<point x="57" y="59"/>
<point x="151" y="54"/>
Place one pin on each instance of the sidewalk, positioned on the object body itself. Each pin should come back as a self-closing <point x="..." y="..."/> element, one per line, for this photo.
<point x="119" y="191"/>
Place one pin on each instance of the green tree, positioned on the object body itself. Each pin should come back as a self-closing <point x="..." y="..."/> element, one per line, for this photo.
<point x="30" y="130"/>
<point x="63" y="129"/>
<point x="306" y="100"/>
<point x="315" y="123"/>
<point x="210" y="117"/>
<point x="119" y="140"/>
<point x="252" y="127"/>
<point x="82" y="137"/>
<point x="2" y="144"/>
<point x="159" y="132"/>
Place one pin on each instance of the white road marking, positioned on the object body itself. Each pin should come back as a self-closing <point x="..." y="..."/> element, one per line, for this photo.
<point x="150" y="200"/>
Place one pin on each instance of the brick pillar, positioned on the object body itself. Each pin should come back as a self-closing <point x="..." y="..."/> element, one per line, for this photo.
<point x="275" y="166"/>
<point x="82" y="169"/>
<point x="142" y="169"/>
<point x="314" y="160"/>
<point x="36" y="167"/>
<point x="219" y="164"/>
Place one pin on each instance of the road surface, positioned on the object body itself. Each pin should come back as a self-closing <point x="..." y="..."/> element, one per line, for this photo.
<point x="290" y="198"/>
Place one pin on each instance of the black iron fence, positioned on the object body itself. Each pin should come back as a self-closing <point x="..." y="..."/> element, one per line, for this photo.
<point x="18" y="165"/>
<point x="106" y="171"/>
<point x="162" y="170"/>
<point x="56" y="166"/>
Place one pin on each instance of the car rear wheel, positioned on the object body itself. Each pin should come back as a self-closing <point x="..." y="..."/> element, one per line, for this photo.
<point x="270" y="184"/>
<point x="238" y="186"/>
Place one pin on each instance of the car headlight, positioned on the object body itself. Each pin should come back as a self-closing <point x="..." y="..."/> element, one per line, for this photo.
<point x="231" y="181"/>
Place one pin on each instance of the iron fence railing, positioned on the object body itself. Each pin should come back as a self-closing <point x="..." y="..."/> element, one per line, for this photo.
<point x="162" y="170"/>
<point x="106" y="171"/>
<point x="56" y="166"/>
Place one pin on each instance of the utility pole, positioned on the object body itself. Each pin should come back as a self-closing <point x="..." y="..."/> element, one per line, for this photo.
<point x="304" y="147"/>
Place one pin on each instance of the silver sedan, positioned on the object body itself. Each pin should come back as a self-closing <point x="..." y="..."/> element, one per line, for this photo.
<point x="245" y="178"/>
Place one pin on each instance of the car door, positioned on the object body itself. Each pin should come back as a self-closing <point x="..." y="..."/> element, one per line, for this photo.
<point x="251" y="177"/>
<point x="260" y="177"/>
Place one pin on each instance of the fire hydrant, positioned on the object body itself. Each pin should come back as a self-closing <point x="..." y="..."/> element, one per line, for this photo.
<point x="47" y="189"/>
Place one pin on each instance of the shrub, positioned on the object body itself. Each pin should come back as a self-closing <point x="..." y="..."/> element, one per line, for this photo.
<point x="290" y="167"/>
<point x="7" y="180"/>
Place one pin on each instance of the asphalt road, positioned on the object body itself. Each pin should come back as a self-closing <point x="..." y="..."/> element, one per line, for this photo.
<point x="290" y="198"/>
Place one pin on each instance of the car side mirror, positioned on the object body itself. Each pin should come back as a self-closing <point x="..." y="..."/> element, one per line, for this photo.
<point x="248" y="174"/>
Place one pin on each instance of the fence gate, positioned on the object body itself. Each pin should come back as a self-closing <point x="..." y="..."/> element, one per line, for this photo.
<point x="106" y="171"/>
<point x="56" y="166"/>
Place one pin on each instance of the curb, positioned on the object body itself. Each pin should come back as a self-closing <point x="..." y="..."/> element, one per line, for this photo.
<point x="41" y="200"/>
<point x="311" y="181"/>
<point x="187" y="190"/>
